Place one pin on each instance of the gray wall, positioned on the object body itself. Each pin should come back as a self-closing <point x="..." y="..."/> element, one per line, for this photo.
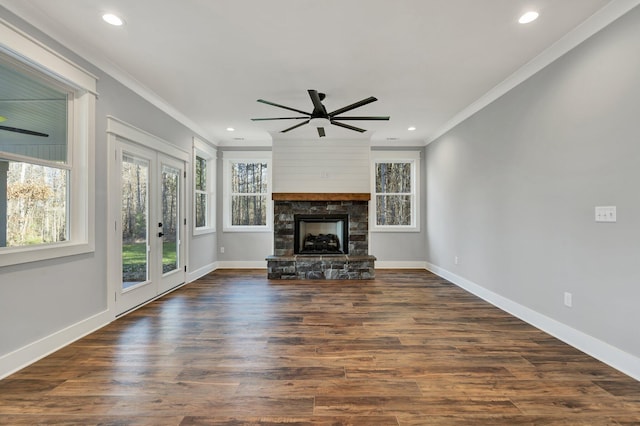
<point x="512" y="190"/>
<point x="396" y="249"/>
<point x="399" y="249"/>
<point x="241" y="249"/>
<point x="41" y="298"/>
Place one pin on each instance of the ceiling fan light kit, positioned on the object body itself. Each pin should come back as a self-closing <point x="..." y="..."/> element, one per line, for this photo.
<point x="320" y="118"/>
<point x="319" y="122"/>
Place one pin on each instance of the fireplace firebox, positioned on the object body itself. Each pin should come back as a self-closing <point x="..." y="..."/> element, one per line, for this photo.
<point x="324" y="234"/>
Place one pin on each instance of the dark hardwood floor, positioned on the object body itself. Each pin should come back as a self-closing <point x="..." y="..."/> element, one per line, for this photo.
<point x="234" y="348"/>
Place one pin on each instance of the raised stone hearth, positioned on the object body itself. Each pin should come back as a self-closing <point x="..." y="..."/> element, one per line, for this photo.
<point x="357" y="264"/>
<point x="303" y="267"/>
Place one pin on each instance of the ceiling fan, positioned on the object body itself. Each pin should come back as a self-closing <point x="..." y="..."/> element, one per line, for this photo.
<point x="320" y="118"/>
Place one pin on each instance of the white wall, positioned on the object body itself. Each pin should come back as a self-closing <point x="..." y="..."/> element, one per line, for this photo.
<point x="512" y="190"/>
<point x="321" y="166"/>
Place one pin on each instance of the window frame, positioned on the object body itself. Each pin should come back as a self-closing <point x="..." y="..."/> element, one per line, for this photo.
<point x="33" y="58"/>
<point x="411" y="157"/>
<point x="210" y="155"/>
<point x="232" y="157"/>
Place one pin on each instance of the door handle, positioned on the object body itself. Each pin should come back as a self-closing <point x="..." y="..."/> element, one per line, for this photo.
<point x="160" y="234"/>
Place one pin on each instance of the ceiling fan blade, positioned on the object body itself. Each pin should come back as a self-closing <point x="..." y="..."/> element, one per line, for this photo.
<point x="360" y="118"/>
<point x="24" y="131"/>
<point x="282" y="106"/>
<point x="321" y="132"/>
<point x="346" y="126"/>
<point x="353" y="106"/>
<point x="280" y="118"/>
<point x="318" y="108"/>
<point x="295" y="127"/>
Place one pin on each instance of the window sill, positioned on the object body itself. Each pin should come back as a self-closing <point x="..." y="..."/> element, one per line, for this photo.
<point x="257" y="229"/>
<point x="20" y="255"/>
<point x="395" y="229"/>
<point x="204" y="231"/>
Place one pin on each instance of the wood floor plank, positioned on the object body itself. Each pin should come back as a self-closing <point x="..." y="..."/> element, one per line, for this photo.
<point x="234" y="348"/>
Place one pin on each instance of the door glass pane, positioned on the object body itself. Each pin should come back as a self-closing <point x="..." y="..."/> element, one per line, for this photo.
<point x="170" y="217"/>
<point x="135" y="218"/>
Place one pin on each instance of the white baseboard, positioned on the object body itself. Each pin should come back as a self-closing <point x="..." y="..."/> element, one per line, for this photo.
<point x="242" y="264"/>
<point x="398" y="264"/>
<point x="201" y="272"/>
<point x="610" y="355"/>
<point x="20" y="358"/>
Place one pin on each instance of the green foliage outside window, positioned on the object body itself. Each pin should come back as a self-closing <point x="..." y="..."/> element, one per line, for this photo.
<point x="36" y="204"/>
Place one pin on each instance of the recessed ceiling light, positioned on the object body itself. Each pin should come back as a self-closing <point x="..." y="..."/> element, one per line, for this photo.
<point x="230" y="129"/>
<point x="411" y="129"/>
<point x="528" y="17"/>
<point x="112" y="19"/>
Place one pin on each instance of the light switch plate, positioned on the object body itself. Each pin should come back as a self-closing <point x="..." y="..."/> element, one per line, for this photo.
<point x="605" y="213"/>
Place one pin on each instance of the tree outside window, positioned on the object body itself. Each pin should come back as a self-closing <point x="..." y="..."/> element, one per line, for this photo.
<point x="47" y="119"/>
<point x="248" y="194"/>
<point x="395" y="188"/>
<point x="34" y="171"/>
<point x="393" y="194"/>
<point x="204" y="166"/>
<point x="247" y="199"/>
<point x="201" y="196"/>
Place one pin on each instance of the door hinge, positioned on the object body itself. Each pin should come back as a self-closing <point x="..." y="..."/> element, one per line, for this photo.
<point x="185" y="220"/>
<point x="185" y="268"/>
<point x="185" y="174"/>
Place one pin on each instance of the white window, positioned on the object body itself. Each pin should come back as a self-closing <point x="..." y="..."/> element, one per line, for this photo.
<point x="47" y="127"/>
<point x="395" y="182"/>
<point x="247" y="194"/>
<point x="204" y="172"/>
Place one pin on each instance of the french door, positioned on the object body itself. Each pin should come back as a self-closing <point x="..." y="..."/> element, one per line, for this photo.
<point x="150" y="225"/>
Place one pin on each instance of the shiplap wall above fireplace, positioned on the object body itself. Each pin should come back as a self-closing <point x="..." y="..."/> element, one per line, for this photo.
<point x="321" y="166"/>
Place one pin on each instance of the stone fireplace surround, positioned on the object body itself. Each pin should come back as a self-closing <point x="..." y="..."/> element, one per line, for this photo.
<point x="284" y="264"/>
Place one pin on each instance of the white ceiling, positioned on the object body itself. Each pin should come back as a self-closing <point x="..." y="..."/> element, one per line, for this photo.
<point x="207" y="61"/>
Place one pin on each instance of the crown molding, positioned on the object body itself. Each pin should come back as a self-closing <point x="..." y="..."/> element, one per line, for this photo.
<point x="582" y="32"/>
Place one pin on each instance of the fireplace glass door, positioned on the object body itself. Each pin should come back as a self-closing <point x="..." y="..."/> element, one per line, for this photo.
<point x="321" y="234"/>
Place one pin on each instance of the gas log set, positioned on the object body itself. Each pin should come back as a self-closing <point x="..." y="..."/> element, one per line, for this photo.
<point x="322" y="243"/>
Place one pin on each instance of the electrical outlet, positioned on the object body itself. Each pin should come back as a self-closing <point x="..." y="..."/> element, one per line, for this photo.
<point x="456" y="260"/>
<point x="221" y="249"/>
<point x="568" y="299"/>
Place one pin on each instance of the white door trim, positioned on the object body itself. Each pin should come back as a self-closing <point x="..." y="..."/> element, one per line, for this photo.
<point x="118" y="129"/>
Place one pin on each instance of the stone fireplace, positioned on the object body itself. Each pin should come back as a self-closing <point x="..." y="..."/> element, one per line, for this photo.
<point x="321" y="236"/>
